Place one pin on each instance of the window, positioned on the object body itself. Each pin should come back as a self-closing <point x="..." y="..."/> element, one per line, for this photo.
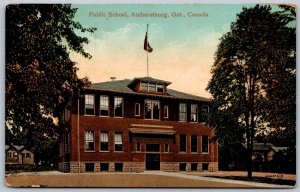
<point x="118" y="107"/>
<point x="194" y="166"/>
<point x="89" y="140"/>
<point x="27" y="155"/>
<point x="137" y="109"/>
<point x="152" y="87"/>
<point x="194" y="113"/>
<point x="118" y="167"/>
<point x="204" y="166"/>
<point x="89" y="167"/>
<point x="167" y="147"/>
<point x="194" y="144"/>
<point x="182" y="112"/>
<point x="166" y="111"/>
<point x="104" y="167"/>
<point x="159" y="88"/>
<point x="182" y="166"/>
<point x="151" y="109"/>
<point x="204" y="113"/>
<point x="104" y="105"/>
<point x="118" y="142"/>
<point x="204" y="144"/>
<point x="138" y="147"/>
<point x="144" y="86"/>
<point x="103" y="141"/>
<point x="89" y="104"/>
<point x="182" y="147"/>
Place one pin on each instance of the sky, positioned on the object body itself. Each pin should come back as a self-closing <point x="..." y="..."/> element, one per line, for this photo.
<point x="183" y="47"/>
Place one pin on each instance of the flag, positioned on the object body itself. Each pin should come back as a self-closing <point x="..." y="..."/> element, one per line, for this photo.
<point x="147" y="45"/>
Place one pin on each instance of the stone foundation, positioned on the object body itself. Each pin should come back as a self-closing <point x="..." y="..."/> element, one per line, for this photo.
<point x="64" y="166"/>
<point x="134" y="166"/>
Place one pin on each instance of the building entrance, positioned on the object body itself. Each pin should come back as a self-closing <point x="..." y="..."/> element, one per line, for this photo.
<point x="152" y="161"/>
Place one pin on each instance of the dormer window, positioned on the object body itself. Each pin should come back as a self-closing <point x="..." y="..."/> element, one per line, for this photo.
<point x="159" y="88"/>
<point x="152" y="87"/>
<point x="144" y="86"/>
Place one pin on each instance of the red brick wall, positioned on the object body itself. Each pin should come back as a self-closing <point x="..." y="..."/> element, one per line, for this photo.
<point x="112" y="125"/>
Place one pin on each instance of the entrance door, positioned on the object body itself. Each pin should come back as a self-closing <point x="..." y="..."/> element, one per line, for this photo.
<point x="152" y="161"/>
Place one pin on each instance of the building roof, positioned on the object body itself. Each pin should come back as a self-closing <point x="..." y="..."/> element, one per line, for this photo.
<point x="16" y="147"/>
<point x="122" y="86"/>
<point x="150" y="79"/>
<point x="266" y="147"/>
<point x="261" y="146"/>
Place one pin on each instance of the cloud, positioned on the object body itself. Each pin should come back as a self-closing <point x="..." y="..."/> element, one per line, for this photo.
<point x="120" y="53"/>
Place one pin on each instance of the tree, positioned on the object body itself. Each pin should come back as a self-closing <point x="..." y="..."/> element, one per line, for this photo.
<point x="246" y="71"/>
<point x="40" y="76"/>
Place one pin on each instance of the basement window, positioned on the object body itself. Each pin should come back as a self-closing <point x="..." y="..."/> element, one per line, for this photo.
<point x="89" y="167"/>
<point x="104" y="167"/>
<point x="118" y="167"/>
<point x="182" y="167"/>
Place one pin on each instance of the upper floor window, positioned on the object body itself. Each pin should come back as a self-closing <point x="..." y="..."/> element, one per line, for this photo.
<point x="104" y="105"/>
<point x="144" y="86"/>
<point x="89" y="141"/>
<point x="89" y="104"/>
<point x="166" y="111"/>
<point x="182" y="145"/>
<point x="159" y="88"/>
<point x="205" y="144"/>
<point x="151" y="109"/>
<point x="118" y="107"/>
<point x="182" y="112"/>
<point x="137" y="109"/>
<point x="118" y="141"/>
<point x="103" y="141"/>
<point x="152" y="87"/>
<point x="194" y="143"/>
<point x="194" y="113"/>
<point x="204" y="113"/>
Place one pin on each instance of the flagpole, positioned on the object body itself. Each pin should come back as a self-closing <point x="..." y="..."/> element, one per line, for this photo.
<point x="147" y="52"/>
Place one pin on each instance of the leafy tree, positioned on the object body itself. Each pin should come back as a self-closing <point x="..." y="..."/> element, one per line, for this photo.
<point x="40" y="76"/>
<point x="246" y="72"/>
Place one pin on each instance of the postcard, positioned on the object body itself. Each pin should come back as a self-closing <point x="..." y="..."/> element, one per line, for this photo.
<point x="150" y="95"/>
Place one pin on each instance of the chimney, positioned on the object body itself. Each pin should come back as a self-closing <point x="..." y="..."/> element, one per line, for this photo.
<point x="112" y="78"/>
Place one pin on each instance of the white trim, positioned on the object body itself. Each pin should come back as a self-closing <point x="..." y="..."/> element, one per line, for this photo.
<point x="193" y="152"/>
<point x="115" y="106"/>
<point x="207" y="144"/>
<point x="93" y="105"/>
<point x="107" y="106"/>
<point x="180" y="112"/>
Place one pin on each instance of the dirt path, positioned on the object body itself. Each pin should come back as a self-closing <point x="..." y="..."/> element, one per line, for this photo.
<point x="117" y="180"/>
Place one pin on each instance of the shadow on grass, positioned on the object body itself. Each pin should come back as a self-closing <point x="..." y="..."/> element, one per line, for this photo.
<point x="259" y="180"/>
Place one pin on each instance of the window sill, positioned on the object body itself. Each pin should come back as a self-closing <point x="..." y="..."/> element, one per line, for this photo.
<point x="89" y="151"/>
<point x="118" y="117"/>
<point x="193" y="122"/>
<point x="104" y="151"/>
<point x="103" y="116"/>
<point x="194" y="153"/>
<point x="88" y="115"/>
<point x="182" y="152"/>
<point x="119" y="151"/>
<point x="182" y="121"/>
<point x="205" y="153"/>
